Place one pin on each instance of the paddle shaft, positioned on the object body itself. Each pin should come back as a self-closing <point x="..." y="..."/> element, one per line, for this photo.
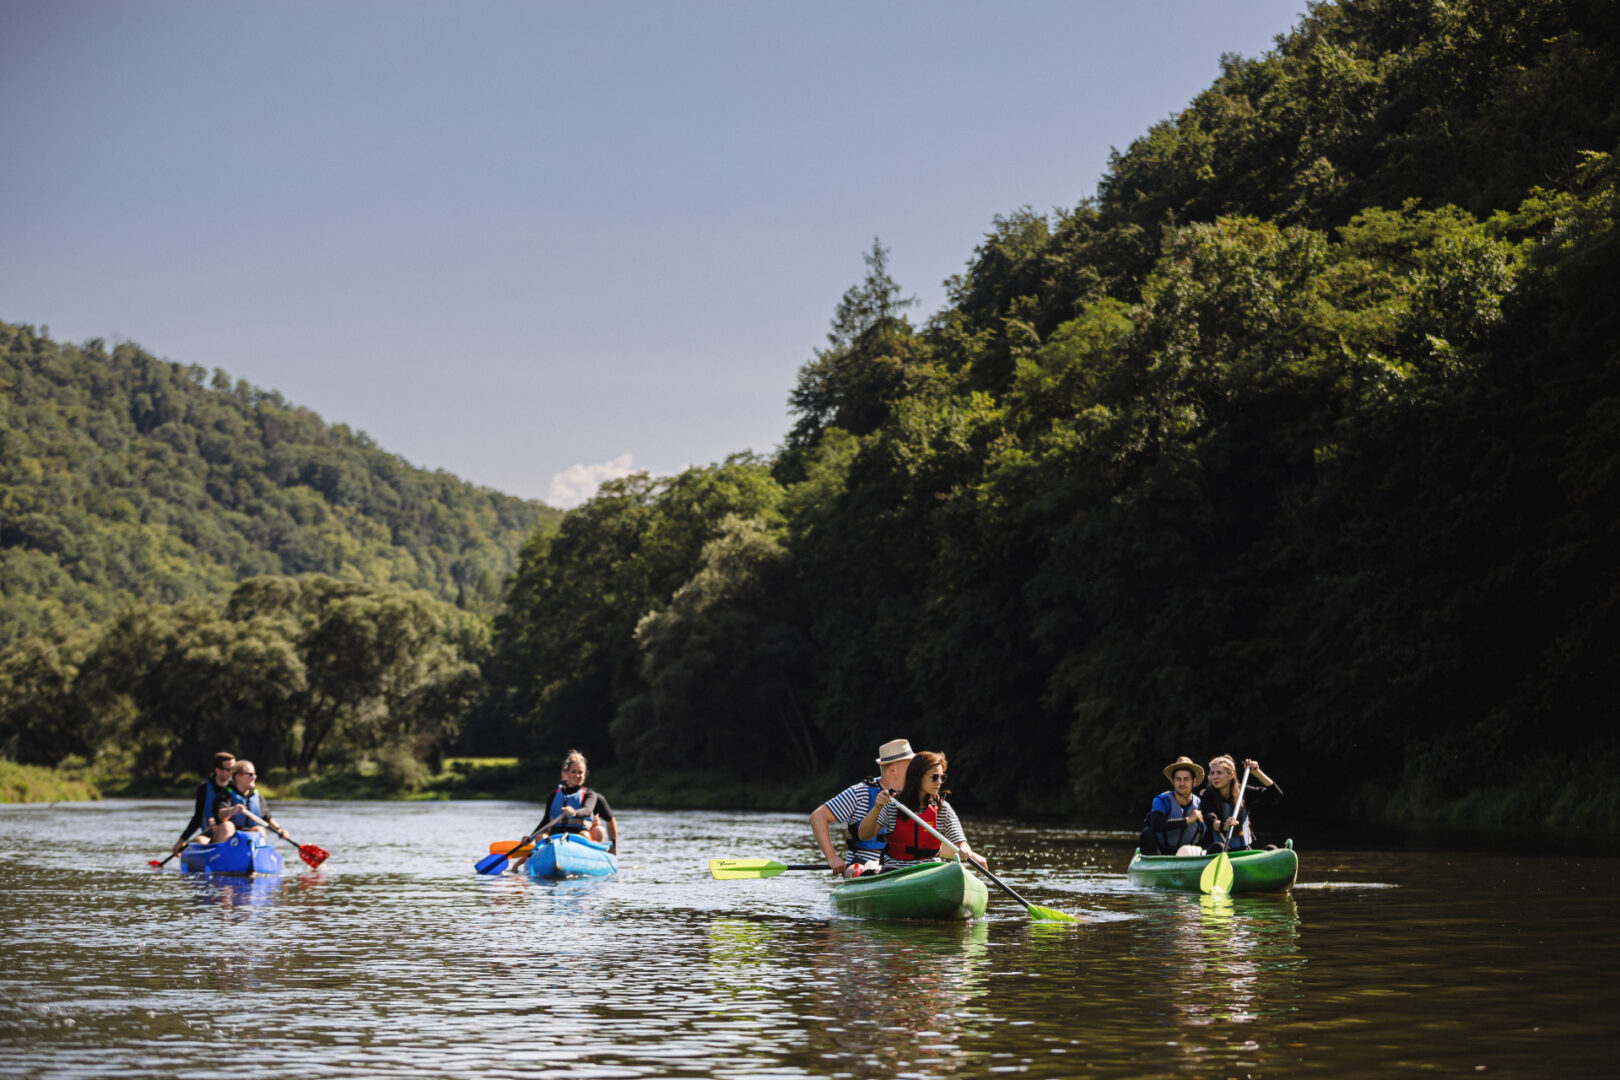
<point x="280" y="831"/>
<point x="172" y="854"/>
<point x="495" y="863"/>
<point x="1237" y="822"/>
<point x="954" y="851"/>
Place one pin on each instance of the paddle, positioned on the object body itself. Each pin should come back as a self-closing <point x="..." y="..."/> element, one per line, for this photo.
<point x="164" y="862"/>
<point x="1035" y="910"/>
<point x="495" y="862"/>
<point x="311" y="854"/>
<point x="1217" y="876"/>
<point x="737" y="869"/>
<point x="1216" y="880"/>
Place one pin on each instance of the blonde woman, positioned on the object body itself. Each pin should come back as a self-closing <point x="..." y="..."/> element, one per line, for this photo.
<point x="240" y="806"/>
<point x="1229" y="824"/>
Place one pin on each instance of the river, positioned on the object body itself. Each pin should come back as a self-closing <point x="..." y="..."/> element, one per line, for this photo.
<point x="395" y="960"/>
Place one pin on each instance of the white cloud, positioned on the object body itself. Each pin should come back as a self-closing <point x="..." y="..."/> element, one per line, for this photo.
<point x="577" y="483"/>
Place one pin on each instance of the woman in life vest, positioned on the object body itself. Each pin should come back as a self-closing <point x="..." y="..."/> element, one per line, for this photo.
<point x="1229" y="831"/>
<point x="240" y="804"/>
<point x="923" y="794"/>
<point x="574" y="808"/>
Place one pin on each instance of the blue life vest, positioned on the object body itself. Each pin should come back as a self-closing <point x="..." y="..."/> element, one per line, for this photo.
<point x="211" y="798"/>
<point x="1186" y="827"/>
<point x="881" y="840"/>
<point x="576" y="801"/>
<point x="253" y="803"/>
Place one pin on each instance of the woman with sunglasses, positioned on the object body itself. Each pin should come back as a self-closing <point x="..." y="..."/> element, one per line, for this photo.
<point x="240" y="804"/>
<point x="924" y="795"/>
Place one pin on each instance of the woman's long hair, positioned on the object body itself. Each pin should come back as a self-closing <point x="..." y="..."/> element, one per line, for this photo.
<point x="911" y="794"/>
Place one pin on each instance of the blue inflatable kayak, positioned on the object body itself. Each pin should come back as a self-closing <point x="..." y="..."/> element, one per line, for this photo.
<point x="246" y="853"/>
<point x="571" y="856"/>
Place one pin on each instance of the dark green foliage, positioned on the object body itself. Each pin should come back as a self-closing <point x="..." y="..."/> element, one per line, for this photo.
<point x="125" y="477"/>
<point x="1299" y="441"/>
<point x="568" y="657"/>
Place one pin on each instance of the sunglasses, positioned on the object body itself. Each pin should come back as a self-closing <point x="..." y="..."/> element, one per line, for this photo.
<point x="937" y="777"/>
<point x="249" y="775"/>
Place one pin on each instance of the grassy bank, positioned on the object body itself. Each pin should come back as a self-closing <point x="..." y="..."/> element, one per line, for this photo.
<point x="36" y="783"/>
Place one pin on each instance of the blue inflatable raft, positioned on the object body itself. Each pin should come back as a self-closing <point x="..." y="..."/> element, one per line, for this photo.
<point x="564" y="856"/>
<point x="244" y="854"/>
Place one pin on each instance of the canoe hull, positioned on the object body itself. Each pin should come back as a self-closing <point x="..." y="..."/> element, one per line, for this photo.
<point x="567" y="856"/>
<point x="1252" y="871"/>
<point x="243" y="855"/>
<point x="943" y="891"/>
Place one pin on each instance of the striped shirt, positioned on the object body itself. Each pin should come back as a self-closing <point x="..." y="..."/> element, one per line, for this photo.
<point x="849" y="807"/>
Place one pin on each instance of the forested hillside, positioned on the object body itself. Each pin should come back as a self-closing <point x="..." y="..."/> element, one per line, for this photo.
<point x="128" y="478"/>
<point x="1301" y="440"/>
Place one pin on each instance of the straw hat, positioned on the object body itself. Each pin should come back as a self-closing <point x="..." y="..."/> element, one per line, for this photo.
<point x="895" y="750"/>
<point x="1185" y="762"/>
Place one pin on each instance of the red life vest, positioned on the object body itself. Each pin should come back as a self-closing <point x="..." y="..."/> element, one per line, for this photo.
<point x="909" y="841"/>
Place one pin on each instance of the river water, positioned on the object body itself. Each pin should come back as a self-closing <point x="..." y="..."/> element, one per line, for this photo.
<point x="395" y="960"/>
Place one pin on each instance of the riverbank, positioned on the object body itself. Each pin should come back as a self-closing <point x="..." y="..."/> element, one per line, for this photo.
<point x="35" y="783"/>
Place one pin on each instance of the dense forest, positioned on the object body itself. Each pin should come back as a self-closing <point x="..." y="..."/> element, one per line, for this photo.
<point x="124" y="478"/>
<point x="1301" y="440"/>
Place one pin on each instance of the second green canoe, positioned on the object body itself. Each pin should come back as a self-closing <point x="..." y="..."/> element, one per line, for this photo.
<point x="1252" y="871"/>
<point x="933" y="890"/>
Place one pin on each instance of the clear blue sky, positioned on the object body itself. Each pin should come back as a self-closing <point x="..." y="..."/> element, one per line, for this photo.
<point x="514" y="239"/>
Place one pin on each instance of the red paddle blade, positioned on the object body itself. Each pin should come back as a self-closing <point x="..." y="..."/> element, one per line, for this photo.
<point x="313" y="855"/>
<point x="155" y="862"/>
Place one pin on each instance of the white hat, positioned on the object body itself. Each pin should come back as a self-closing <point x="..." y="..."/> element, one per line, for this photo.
<point x="895" y="750"/>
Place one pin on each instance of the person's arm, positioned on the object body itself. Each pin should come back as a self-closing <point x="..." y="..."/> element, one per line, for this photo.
<point x="950" y="827"/>
<point x="269" y="820"/>
<point x="199" y="817"/>
<point x="605" y="812"/>
<point x="879" y="817"/>
<point x="821" y="822"/>
<point x="1272" y="789"/>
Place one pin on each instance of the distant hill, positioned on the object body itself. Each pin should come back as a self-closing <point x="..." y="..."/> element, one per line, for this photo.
<point x="126" y="477"/>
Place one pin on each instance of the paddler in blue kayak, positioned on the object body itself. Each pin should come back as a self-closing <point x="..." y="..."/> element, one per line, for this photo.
<point x="575" y="808"/>
<point x="241" y="808"/>
<point x="923" y="793"/>
<point x="208" y="793"/>
<point x="849" y="807"/>
<point x="1176" y="821"/>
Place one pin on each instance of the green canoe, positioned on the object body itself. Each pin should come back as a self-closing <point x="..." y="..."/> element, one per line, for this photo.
<point x="1252" y="871"/>
<point x="933" y="890"/>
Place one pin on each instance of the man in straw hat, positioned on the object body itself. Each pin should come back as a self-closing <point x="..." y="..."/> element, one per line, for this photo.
<point x="1176" y="822"/>
<point x="849" y="806"/>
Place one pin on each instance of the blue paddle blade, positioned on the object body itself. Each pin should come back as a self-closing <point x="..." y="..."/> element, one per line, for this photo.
<point x="492" y="864"/>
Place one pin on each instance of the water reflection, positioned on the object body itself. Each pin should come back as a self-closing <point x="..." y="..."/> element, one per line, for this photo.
<point x="398" y="962"/>
<point x="881" y="999"/>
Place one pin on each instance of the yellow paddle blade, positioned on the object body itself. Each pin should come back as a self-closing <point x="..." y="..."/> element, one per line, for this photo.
<point x="1217" y="876"/>
<point x="510" y="847"/>
<point x="736" y="869"/>
<point x="1046" y="914"/>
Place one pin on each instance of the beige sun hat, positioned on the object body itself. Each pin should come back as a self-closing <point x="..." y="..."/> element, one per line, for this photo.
<point x="1185" y="762"/>
<point x="895" y="750"/>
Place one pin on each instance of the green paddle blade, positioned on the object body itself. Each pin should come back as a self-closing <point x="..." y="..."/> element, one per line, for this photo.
<point x="1217" y="876"/>
<point x="735" y="869"/>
